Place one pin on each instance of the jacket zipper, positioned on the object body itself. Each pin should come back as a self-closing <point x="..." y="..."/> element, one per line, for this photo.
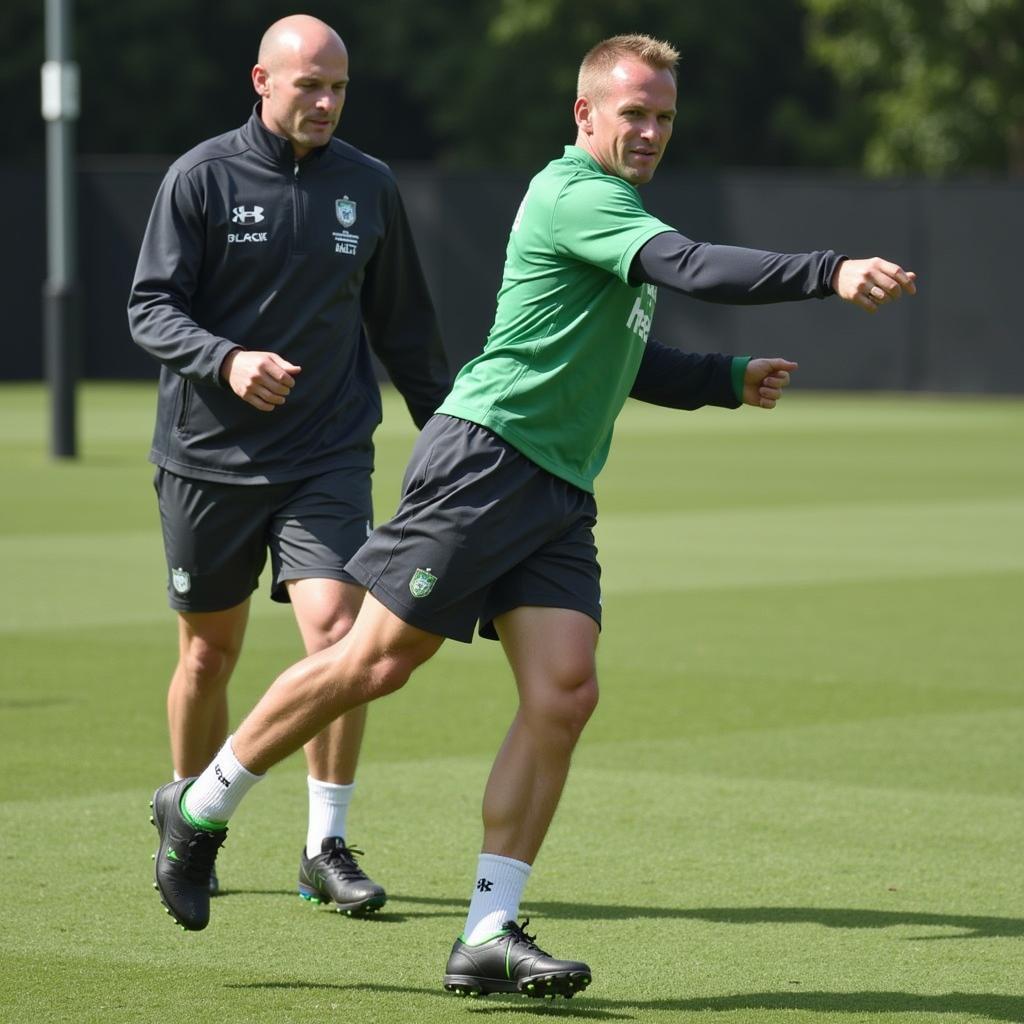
<point x="296" y="210"/>
<point x="186" y="394"/>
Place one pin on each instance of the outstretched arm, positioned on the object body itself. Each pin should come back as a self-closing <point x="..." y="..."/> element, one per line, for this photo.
<point x="738" y="276"/>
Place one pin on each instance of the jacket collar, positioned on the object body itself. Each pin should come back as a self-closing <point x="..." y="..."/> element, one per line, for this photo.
<point x="274" y="148"/>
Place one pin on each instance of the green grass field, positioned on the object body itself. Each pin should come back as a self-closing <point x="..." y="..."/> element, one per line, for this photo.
<point x="800" y="799"/>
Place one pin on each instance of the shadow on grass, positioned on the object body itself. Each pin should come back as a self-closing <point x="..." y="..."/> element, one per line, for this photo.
<point x="969" y="926"/>
<point x="601" y="1009"/>
<point x="978" y="1005"/>
<point x="226" y="893"/>
<point x="388" y="915"/>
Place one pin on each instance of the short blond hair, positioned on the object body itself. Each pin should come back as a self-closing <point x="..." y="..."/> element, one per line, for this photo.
<point x="600" y="59"/>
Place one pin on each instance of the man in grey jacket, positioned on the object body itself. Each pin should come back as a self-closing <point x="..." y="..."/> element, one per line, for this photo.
<point x="276" y="257"/>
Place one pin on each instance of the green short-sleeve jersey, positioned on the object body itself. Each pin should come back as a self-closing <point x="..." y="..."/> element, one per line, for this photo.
<point x="569" y="330"/>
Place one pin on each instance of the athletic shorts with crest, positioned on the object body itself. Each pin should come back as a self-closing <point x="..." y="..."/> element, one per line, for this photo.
<point x="217" y="536"/>
<point x="480" y="530"/>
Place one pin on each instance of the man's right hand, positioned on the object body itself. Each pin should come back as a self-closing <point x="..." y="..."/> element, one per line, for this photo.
<point x="872" y="283"/>
<point x="263" y="379"/>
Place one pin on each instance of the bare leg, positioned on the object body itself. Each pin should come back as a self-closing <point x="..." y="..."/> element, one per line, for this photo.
<point x="197" y="706"/>
<point x="325" y="611"/>
<point x="551" y="651"/>
<point x="375" y="658"/>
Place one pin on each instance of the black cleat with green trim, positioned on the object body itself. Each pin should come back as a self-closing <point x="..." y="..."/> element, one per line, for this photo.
<point x="512" y="961"/>
<point x="334" y="876"/>
<point x="184" y="859"/>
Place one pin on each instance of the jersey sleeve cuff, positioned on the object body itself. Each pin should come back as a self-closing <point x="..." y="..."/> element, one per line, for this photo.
<point x="739" y="372"/>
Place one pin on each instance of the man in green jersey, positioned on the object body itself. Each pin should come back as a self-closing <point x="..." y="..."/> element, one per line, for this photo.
<point x="496" y="519"/>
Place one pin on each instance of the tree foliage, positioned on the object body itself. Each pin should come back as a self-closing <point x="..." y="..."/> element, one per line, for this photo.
<point x="160" y="76"/>
<point x="472" y="83"/>
<point x="498" y="79"/>
<point x="885" y="85"/>
<point x="937" y="85"/>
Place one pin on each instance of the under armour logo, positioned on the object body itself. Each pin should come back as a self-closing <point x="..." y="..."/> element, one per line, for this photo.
<point x="484" y="886"/>
<point x="240" y="215"/>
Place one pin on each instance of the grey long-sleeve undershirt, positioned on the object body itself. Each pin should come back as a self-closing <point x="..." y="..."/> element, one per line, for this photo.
<point x="731" y="274"/>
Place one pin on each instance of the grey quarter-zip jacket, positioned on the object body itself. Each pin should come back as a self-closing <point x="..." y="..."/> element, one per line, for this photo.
<point x="313" y="260"/>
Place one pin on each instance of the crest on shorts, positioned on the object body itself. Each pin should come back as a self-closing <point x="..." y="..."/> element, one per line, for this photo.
<point x="181" y="581"/>
<point x="422" y="583"/>
<point x="345" y="211"/>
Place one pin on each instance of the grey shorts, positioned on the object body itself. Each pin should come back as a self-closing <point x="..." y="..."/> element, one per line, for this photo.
<point x="480" y="530"/>
<point x="216" y="536"/>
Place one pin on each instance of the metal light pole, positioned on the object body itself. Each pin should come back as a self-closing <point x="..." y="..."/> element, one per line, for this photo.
<point x="60" y="322"/>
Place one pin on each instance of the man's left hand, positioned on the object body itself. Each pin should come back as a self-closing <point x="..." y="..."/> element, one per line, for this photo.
<point x="764" y="380"/>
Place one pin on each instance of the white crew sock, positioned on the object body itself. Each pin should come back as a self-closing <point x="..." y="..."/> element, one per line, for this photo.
<point x="499" y="888"/>
<point x="215" y="795"/>
<point x="328" y="811"/>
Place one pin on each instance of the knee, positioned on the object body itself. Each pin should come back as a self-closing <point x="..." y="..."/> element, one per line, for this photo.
<point x="375" y="674"/>
<point x="581" y="704"/>
<point x="385" y="676"/>
<point x="330" y="631"/>
<point x="324" y="625"/>
<point x="206" y="664"/>
<point x="563" y="709"/>
<point x="586" y="696"/>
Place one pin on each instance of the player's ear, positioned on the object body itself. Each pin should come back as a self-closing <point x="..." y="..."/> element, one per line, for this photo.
<point x="582" y="112"/>
<point x="260" y="80"/>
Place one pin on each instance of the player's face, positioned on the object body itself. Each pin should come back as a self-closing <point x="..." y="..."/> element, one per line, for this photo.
<point x="627" y="127"/>
<point x="303" y="94"/>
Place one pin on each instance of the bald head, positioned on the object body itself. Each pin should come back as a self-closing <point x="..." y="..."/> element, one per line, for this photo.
<point x="301" y="77"/>
<point x="295" y="36"/>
